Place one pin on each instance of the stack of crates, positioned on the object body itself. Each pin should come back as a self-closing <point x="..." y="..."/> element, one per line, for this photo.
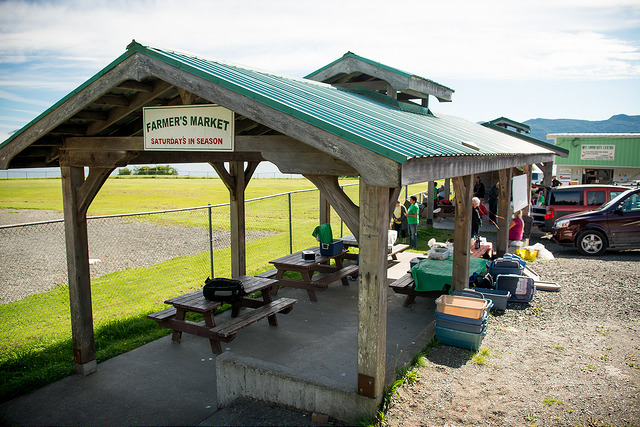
<point x="462" y="321"/>
<point x="508" y="275"/>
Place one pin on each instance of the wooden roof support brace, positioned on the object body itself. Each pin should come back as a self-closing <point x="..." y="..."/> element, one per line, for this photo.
<point x="463" y="187"/>
<point x="372" y="289"/>
<point x="77" y="194"/>
<point x="504" y="210"/>
<point x="236" y="180"/>
<point x="330" y="189"/>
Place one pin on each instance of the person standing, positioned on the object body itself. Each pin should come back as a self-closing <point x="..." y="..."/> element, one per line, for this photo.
<point x="478" y="189"/>
<point x="400" y="221"/>
<point x="412" y="221"/>
<point x="476" y="221"/>
<point x="492" y="196"/>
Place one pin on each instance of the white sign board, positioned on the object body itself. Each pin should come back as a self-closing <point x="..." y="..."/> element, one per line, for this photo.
<point x="519" y="192"/>
<point x="598" y="152"/>
<point x="188" y="128"/>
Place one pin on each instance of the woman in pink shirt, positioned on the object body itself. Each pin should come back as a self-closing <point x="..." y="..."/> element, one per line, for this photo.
<point x="516" y="226"/>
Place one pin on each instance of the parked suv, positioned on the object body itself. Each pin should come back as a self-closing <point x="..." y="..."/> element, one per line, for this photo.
<point x="615" y="224"/>
<point x="561" y="201"/>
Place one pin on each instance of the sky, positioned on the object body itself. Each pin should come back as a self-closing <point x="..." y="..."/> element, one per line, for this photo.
<point x="525" y="59"/>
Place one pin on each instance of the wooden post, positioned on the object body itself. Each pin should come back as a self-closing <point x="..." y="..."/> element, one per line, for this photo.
<point x="547" y="173"/>
<point x="236" y="181"/>
<point x="431" y="189"/>
<point x="527" y="169"/>
<point x="447" y="189"/>
<point x="77" y="195"/>
<point x="463" y="187"/>
<point x="325" y="210"/>
<point x="372" y="289"/>
<point x="237" y="216"/>
<point x="504" y="208"/>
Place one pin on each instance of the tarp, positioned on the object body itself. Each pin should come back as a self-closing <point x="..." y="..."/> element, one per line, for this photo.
<point x="432" y="274"/>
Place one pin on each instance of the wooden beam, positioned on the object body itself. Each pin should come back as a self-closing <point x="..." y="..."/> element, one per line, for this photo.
<point x="504" y="208"/>
<point x="138" y="100"/>
<point x="463" y="187"/>
<point x="372" y="289"/>
<point x="90" y="187"/>
<point x="187" y="97"/>
<point x="330" y="188"/>
<point x="137" y="86"/>
<point x="432" y="168"/>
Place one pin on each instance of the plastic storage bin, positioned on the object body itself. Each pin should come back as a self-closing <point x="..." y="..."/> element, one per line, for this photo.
<point x="522" y="288"/>
<point x="461" y="339"/>
<point x="505" y="266"/>
<point x="461" y="319"/>
<point x="462" y="306"/>
<point x="331" y="249"/>
<point x="498" y="296"/>
<point x="416" y="260"/>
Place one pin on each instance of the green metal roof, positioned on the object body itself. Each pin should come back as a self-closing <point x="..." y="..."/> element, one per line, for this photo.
<point x="374" y="63"/>
<point x="563" y="152"/>
<point x="380" y="127"/>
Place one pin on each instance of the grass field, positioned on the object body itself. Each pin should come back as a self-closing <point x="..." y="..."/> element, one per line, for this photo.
<point x="34" y="352"/>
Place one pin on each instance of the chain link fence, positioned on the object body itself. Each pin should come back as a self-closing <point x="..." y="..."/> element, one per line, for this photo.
<point x="139" y="260"/>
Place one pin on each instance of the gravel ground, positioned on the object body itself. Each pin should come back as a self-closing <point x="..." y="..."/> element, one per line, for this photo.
<point x="569" y="358"/>
<point x="33" y="259"/>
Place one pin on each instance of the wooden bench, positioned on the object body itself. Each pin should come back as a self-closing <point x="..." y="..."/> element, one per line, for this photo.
<point x="269" y="274"/>
<point x="406" y="286"/>
<point x="163" y="315"/>
<point x="227" y="331"/>
<point x="396" y="249"/>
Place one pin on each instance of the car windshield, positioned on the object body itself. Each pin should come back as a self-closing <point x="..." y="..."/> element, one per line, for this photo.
<point x="615" y="200"/>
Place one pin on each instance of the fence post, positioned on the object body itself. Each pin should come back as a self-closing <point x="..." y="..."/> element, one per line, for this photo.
<point x="211" y="241"/>
<point x="290" y="227"/>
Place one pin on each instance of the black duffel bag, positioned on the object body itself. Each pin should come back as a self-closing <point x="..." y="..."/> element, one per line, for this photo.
<point x="221" y="289"/>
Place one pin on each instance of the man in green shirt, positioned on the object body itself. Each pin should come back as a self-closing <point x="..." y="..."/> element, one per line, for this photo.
<point x="412" y="221"/>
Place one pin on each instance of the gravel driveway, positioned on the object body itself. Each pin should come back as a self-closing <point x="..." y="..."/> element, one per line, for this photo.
<point x="569" y="358"/>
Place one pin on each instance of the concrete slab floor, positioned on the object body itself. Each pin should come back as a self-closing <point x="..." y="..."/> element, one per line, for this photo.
<point x="163" y="383"/>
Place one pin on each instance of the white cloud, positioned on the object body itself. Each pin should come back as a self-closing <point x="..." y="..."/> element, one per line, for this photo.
<point x="483" y="40"/>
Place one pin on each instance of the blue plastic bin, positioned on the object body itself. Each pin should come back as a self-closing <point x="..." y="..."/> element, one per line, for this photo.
<point x="498" y="296"/>
<point x="464" y="327"/>
<point x="461" y="319"/>
<point x="460" y="339"/>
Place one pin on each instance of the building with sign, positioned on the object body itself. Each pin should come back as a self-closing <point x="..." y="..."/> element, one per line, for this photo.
<point x="598" y="158"/>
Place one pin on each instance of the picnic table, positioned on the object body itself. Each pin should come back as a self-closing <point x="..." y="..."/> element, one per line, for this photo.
<point x="484" y="251"/>
<point x="174" y="317"/>
<point x="309" y="282"/>
<point x="434" y="278"/>
<point x="349" y="241"/>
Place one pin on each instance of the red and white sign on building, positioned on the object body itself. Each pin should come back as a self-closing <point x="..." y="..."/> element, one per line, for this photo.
<point x="598" y="152"/>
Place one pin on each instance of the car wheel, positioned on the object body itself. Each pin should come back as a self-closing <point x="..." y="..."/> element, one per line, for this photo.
<point x="591" y="242"/>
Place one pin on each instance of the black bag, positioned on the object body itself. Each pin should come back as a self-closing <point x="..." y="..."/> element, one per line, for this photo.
<point x="221" y="289"/>
<point x="485" y="281"/>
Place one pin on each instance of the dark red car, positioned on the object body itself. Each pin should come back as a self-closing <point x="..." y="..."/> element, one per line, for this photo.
<point x="615" y="225"/>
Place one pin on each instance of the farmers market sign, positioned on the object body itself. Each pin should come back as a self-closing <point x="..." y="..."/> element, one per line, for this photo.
<point x="188" y="128"/>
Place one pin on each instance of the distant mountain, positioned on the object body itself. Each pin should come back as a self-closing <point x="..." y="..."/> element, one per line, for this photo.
<point x="616" y="124"/>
